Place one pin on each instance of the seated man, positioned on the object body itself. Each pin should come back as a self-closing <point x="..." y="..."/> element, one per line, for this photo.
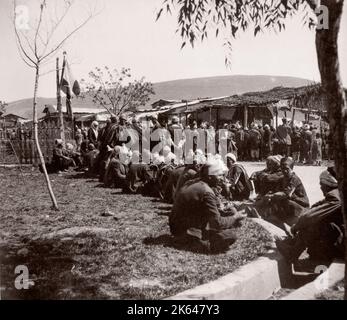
<point x="319" y="229"/>
<point x="76" y="156"/>
<point x="287" y="204"/>
<point x="90" y="158"/>
<point x="240" y="185"/>
<point x="168" y="187"/>
<point x="196" y="207"/>
<point x="61" y="160"/>
<point x="267" y="179"/>
<point x="117" y="169"/>
<point x="138" y="173"/>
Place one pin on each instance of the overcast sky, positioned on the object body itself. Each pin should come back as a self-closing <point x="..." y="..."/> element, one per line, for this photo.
<point x="125" y="34"/>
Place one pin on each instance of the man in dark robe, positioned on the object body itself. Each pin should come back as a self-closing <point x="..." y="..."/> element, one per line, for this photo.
<point x="320" y="229"/>
<point x="196" y="207"/>
<point x="287" y="204"/>
<point x="240" y="185"/>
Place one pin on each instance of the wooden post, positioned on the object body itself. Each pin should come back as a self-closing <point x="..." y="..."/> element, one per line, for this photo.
<point x="293" y="116"/>
<point x="59" y="104"/>
<point x="245" y="116"/>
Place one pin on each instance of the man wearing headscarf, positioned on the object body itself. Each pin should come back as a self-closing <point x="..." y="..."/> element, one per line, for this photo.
<point x="78" y="139"/>
<point x="319" y="229"/>
<point x="93" y="133"/>
<point x="240" y="185"/>
<point x="196" y="207"/>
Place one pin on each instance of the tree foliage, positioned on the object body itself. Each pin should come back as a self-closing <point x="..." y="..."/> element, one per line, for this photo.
<point x="197" y="19"/>
<point x="115" y="90"/>
<point x="3" y="106"/>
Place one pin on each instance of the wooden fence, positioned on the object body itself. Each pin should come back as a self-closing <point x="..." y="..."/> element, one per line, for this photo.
<point x="18" y="146"/>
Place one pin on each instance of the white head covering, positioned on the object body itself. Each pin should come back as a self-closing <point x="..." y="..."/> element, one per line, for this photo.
<point x="69" y="146"/>
<point x="215" y="168"/>
<point x="231" y="156"/>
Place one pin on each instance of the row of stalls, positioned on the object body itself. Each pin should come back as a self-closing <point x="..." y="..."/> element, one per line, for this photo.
<point x="298" y="105"/>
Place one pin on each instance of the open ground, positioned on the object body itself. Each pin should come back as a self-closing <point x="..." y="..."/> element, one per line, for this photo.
<point x="78" y="253"/>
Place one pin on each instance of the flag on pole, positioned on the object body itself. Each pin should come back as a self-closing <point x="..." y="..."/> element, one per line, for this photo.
<point x="69" y="85"/>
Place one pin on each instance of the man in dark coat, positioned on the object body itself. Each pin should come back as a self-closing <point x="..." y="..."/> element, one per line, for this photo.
<point x="283" y="133"/>
<point x="287" y="204"/>
<point x="267" y="142"/>
<point x="237" y="176"/>
<point x="254" y="142"/>
<point x="116" y="171"/>
<point x="93" y="133"/>
<point x="319" y="229"/>
<point x="61" y="160"/>
<point x="196" y="206"/>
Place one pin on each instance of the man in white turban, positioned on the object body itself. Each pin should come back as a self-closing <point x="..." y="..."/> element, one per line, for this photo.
<point x="195" y="210"/>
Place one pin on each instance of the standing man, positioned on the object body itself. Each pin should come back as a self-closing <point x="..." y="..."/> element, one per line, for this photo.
<point x="267" y="141"/>
<point x="283" y="133"/>
<point x="93" y="133"/>
<point x="254" y="142"/>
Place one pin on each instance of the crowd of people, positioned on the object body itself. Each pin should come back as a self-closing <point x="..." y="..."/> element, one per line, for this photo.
<point x="212" y="192"/>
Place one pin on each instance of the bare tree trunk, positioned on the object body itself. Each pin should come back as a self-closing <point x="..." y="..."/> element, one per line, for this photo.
<point x="36" y="137"/>
<point x="328" y="61"/>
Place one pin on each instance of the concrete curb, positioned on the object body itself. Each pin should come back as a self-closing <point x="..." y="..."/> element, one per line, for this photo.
<point x="334" y="274"/>
<point x="257" y="280"/>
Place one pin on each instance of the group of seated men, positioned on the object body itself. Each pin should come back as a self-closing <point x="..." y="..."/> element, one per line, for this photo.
<point x="211" y="195"/>
<point x="210" y="198"/>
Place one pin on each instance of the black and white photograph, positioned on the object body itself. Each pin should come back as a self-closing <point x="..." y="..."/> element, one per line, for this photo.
<point x="174" y="151"/>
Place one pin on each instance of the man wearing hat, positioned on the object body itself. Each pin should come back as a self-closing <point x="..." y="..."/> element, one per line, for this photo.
<point x="319" y="229"/>
<point x="195" y="210"/>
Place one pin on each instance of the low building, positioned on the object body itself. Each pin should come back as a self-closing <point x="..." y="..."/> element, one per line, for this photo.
<point x="51" y="117"/>
<point x="10" y="120"/>
<point x="267" y="107"/>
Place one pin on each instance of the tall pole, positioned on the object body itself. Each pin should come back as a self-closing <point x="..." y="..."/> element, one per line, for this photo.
<point x="59" y="105"/>
<point x="245" y="116"/>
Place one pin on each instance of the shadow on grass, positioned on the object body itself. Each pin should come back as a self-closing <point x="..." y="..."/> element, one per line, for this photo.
<point x="51" y="272"/>
<point x="185" y="243"/>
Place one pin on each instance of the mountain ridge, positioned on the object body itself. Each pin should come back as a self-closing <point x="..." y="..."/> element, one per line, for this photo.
<point x="188" y="89"/>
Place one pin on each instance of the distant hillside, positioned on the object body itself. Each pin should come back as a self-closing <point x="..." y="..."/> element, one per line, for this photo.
<point x="188" y="89"/>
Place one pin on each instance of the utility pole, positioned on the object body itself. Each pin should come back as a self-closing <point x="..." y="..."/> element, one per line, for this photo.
<point x="59" y="105"/>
